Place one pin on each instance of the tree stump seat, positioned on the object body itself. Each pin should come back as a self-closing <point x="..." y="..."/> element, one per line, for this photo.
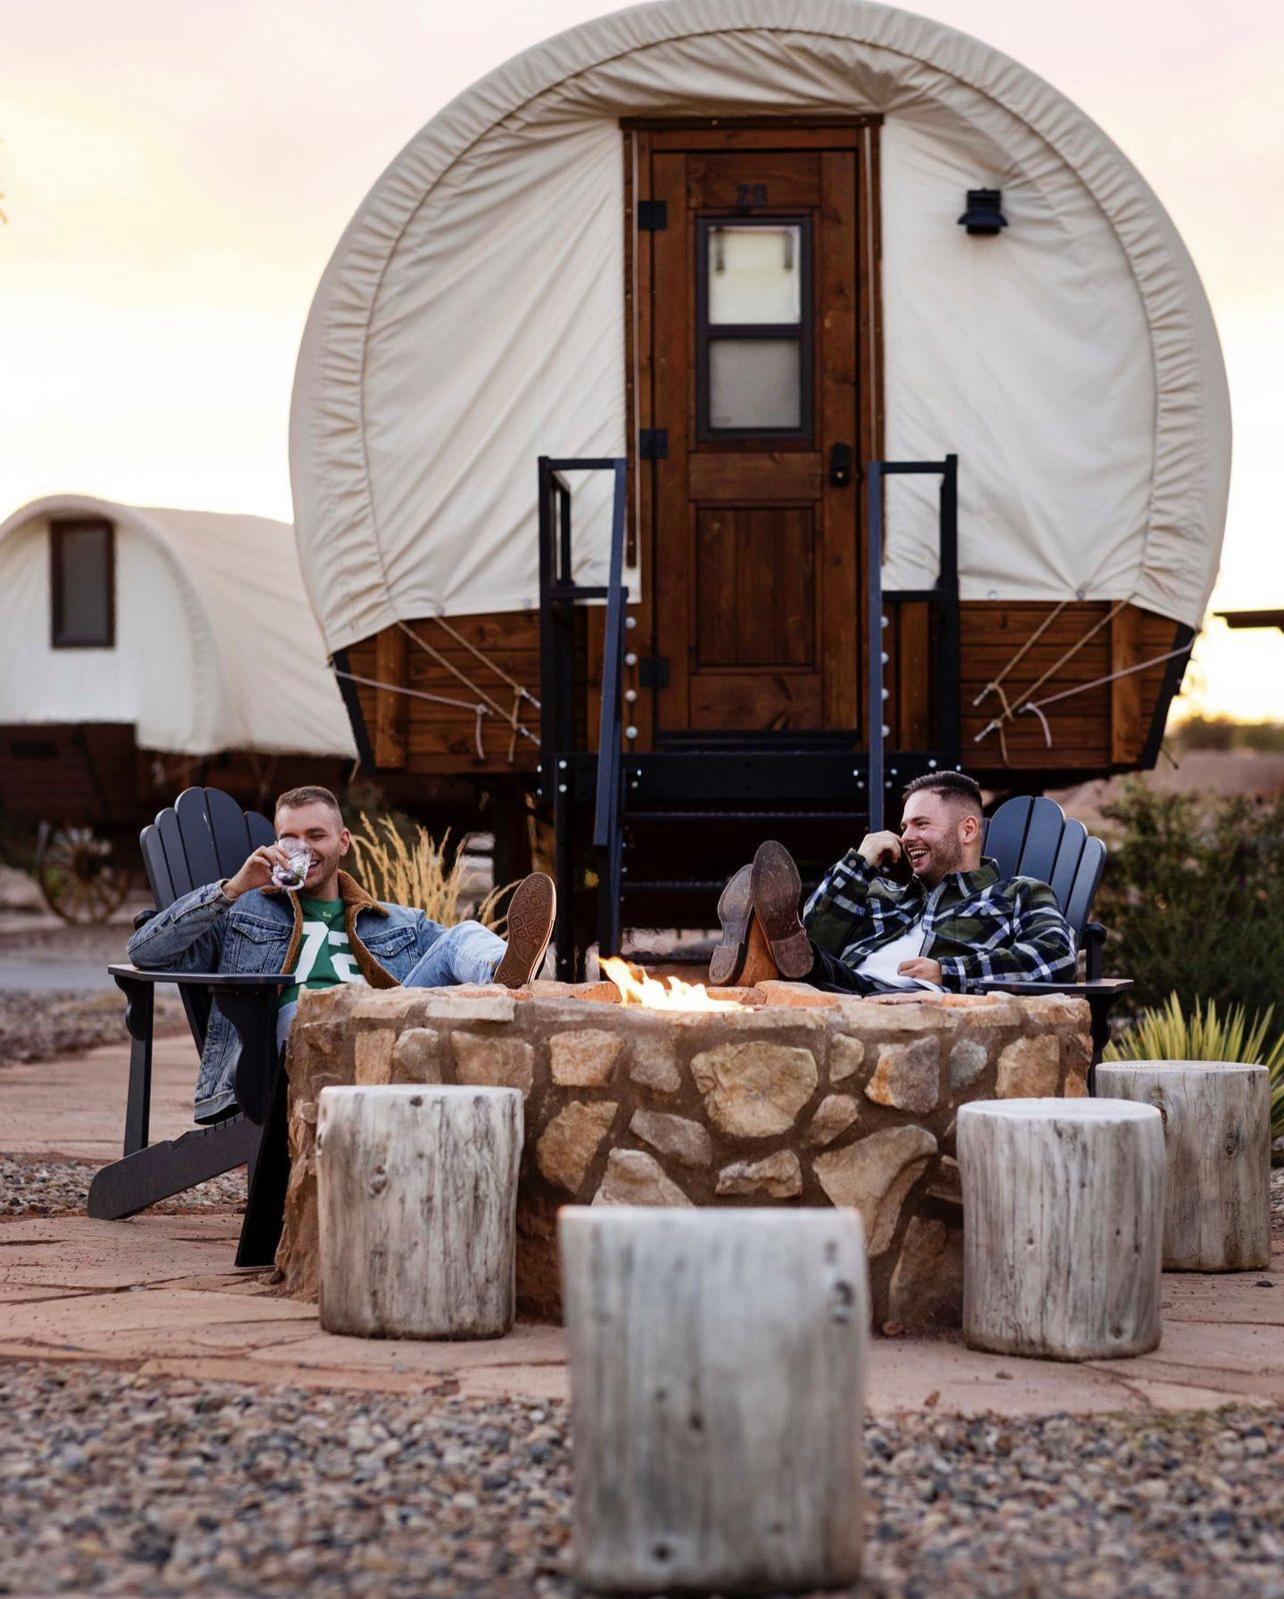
<point x="717" y="1365"/>
<point x="1063" y="1225"/>
<point x="417" y="1201"/>
<point x="1217" y="1140"/>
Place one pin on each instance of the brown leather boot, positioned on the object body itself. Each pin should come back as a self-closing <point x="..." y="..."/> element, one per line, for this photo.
<point x="735" y="908"/>
<point x="776" y="889"/>
<point x="530" y="926"/>
<point x="759" y="966"/>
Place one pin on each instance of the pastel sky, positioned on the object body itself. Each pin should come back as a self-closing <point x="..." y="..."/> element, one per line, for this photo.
<point x="175" y="174"/>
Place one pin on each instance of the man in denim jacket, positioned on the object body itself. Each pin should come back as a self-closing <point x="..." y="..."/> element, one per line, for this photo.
<point x="328" y="931"/>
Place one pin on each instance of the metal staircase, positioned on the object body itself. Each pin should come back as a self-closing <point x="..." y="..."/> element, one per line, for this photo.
<point x="661" y="832"/>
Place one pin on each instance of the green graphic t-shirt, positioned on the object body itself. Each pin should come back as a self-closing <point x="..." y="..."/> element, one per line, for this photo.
<point x="325" y="956"/>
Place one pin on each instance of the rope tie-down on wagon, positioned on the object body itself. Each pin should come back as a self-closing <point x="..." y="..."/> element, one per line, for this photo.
<point x="1025" y="700"/>
<point x="482" y="707"/>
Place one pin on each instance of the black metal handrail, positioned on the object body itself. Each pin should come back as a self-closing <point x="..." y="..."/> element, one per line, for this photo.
<point x="559" y="594"/>
<point x="944" y="597"/>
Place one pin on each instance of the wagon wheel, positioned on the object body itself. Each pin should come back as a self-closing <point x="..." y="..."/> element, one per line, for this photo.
<point x="78" y="877"/>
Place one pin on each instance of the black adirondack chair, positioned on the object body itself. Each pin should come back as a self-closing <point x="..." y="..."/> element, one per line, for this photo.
<point x="1031" y="837"/>
<point x="204" y="837"/>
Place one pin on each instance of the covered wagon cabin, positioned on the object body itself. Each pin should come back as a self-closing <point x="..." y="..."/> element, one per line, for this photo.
<point x="728" y="409"/>
<point x="143" y="651"/>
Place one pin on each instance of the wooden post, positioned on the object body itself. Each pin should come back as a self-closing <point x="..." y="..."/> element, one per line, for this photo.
<point x="1062" y="1226"/>
<point x="1217" y="1136"/>
<point x="1126" y="735"/>
<point x="717" y="1363"/>
<point x="417" y="1204"/>
<point x="392" y="710"/>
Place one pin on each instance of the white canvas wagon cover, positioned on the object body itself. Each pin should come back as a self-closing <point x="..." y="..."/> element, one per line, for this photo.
<point x="215" y="645"/>
<point x="472" y="318"/>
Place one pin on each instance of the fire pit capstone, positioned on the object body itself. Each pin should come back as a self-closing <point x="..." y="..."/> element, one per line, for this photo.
<point x="795" y="1097"/>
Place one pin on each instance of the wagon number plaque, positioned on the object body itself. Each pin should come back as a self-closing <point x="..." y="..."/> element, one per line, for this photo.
<point x="751" y="194"/>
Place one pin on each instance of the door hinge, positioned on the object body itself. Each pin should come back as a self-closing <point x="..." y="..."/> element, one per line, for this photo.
<point x="653" y="444"/>
<point x="653" y="216"/>
<point x="653" y="671"/>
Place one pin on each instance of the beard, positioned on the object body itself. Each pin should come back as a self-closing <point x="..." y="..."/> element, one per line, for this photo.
<point x="942" y="858"/>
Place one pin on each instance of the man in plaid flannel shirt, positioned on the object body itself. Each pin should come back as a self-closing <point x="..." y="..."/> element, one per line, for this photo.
<point x="952" y="923"/>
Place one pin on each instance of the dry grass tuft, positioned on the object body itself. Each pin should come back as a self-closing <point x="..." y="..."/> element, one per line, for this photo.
<point x="411" y="870"/>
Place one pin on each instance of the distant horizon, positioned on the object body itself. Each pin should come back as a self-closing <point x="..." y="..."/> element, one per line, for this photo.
<point x="168" y="221"/>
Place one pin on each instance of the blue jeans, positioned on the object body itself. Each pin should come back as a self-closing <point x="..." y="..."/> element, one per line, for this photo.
<point x="465" y="953"/>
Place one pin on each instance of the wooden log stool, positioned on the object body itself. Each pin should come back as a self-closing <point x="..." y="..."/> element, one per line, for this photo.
<point x="417" y="1206"/>
<point x="1217" y="1138"/>
<point x="1062" y="1226"/>
<point x="717" y="1364"/>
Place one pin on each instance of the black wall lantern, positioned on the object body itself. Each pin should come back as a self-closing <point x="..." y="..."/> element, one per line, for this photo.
<point x="984" y="212"/>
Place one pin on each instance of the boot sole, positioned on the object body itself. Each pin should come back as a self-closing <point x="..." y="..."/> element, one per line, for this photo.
<point x="530" y="927"/>
<point x="776" y="889"/>
<point x="735" y="906"/>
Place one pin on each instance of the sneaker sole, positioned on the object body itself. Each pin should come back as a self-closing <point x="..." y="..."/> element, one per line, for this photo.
<point x="530" y="927"/>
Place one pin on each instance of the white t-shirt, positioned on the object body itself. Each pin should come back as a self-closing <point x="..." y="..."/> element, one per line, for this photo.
<point x="882" y="963"/>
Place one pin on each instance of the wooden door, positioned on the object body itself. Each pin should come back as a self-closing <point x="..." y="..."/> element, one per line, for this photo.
<point x="754" y="365"/>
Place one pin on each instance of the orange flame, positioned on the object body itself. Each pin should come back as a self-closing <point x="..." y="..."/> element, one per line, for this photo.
<point x="636" y="988"/>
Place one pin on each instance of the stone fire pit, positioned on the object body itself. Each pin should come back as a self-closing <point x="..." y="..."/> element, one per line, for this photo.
<point x="792" y="1097"/>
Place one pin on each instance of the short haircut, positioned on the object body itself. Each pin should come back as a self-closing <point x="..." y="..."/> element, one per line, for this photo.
<point x="962" y="791"/>
<point x="309" y="794"/>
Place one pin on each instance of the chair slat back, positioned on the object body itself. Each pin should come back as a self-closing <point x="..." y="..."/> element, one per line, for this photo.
<point x="1032" y="838"/>
<point x="197" y="836"/>
<point x="1070" y="853"/>
<point x="1042" y="840"/>
<point x="1005" y="833"/>
<point x="203" y="837"/>
<point x="171" y="842"/>
<point x="1091" y="865"/>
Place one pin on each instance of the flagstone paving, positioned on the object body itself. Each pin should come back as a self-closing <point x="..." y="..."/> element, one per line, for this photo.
<point x="160" y="1293"/>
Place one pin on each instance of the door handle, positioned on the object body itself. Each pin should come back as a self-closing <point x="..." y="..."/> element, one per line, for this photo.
<point x="840" y="465"/>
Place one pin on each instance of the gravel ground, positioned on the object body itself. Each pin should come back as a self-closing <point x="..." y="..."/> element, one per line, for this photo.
<point x="114" y="1484"/>
<point x="44" y="1026"/>
<point x="30" y="1186"/>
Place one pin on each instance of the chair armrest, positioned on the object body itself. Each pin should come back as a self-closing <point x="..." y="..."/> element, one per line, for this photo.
<point x="219" y="981"/>
<point x="1099" y="988"/>
<point x="141" y="918"/>
<point x="1094" y="946"/>
<point x="247" y="999"/>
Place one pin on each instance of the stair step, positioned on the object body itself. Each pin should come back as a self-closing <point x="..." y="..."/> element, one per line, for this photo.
<point x="681" y="885"/>
<point x="635" y="813"/>
<point x="689" y="885"/>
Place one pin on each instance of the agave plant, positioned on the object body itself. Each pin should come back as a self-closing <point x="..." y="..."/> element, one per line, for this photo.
<point x="412" y="868"/>
<point x="1168" y="1033"/>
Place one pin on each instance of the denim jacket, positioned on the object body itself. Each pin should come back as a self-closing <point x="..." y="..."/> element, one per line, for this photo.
<point x="204" y="931"/>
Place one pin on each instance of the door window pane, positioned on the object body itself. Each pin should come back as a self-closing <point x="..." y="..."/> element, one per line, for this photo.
<point x="83" y="602"/>
<point x="755" y="383"/>
<point x="755" y="274"/>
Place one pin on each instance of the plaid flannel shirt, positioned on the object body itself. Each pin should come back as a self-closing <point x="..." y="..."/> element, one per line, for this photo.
<point x="976" y="925"/>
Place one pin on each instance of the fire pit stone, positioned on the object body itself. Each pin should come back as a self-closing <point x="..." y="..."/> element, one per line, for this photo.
<point x="786" y="1096"/>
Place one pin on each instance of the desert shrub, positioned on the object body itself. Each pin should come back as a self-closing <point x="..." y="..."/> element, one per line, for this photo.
<point x="1172" y="1032"/>
<point x="405" y="865"/>
<point x="1219" y="733"/>
<point x="1193" y="898"/>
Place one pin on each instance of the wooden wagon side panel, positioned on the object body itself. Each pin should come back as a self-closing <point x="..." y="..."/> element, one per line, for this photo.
<point x="1106" y="726"/>
<point x="443" y="732"/>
